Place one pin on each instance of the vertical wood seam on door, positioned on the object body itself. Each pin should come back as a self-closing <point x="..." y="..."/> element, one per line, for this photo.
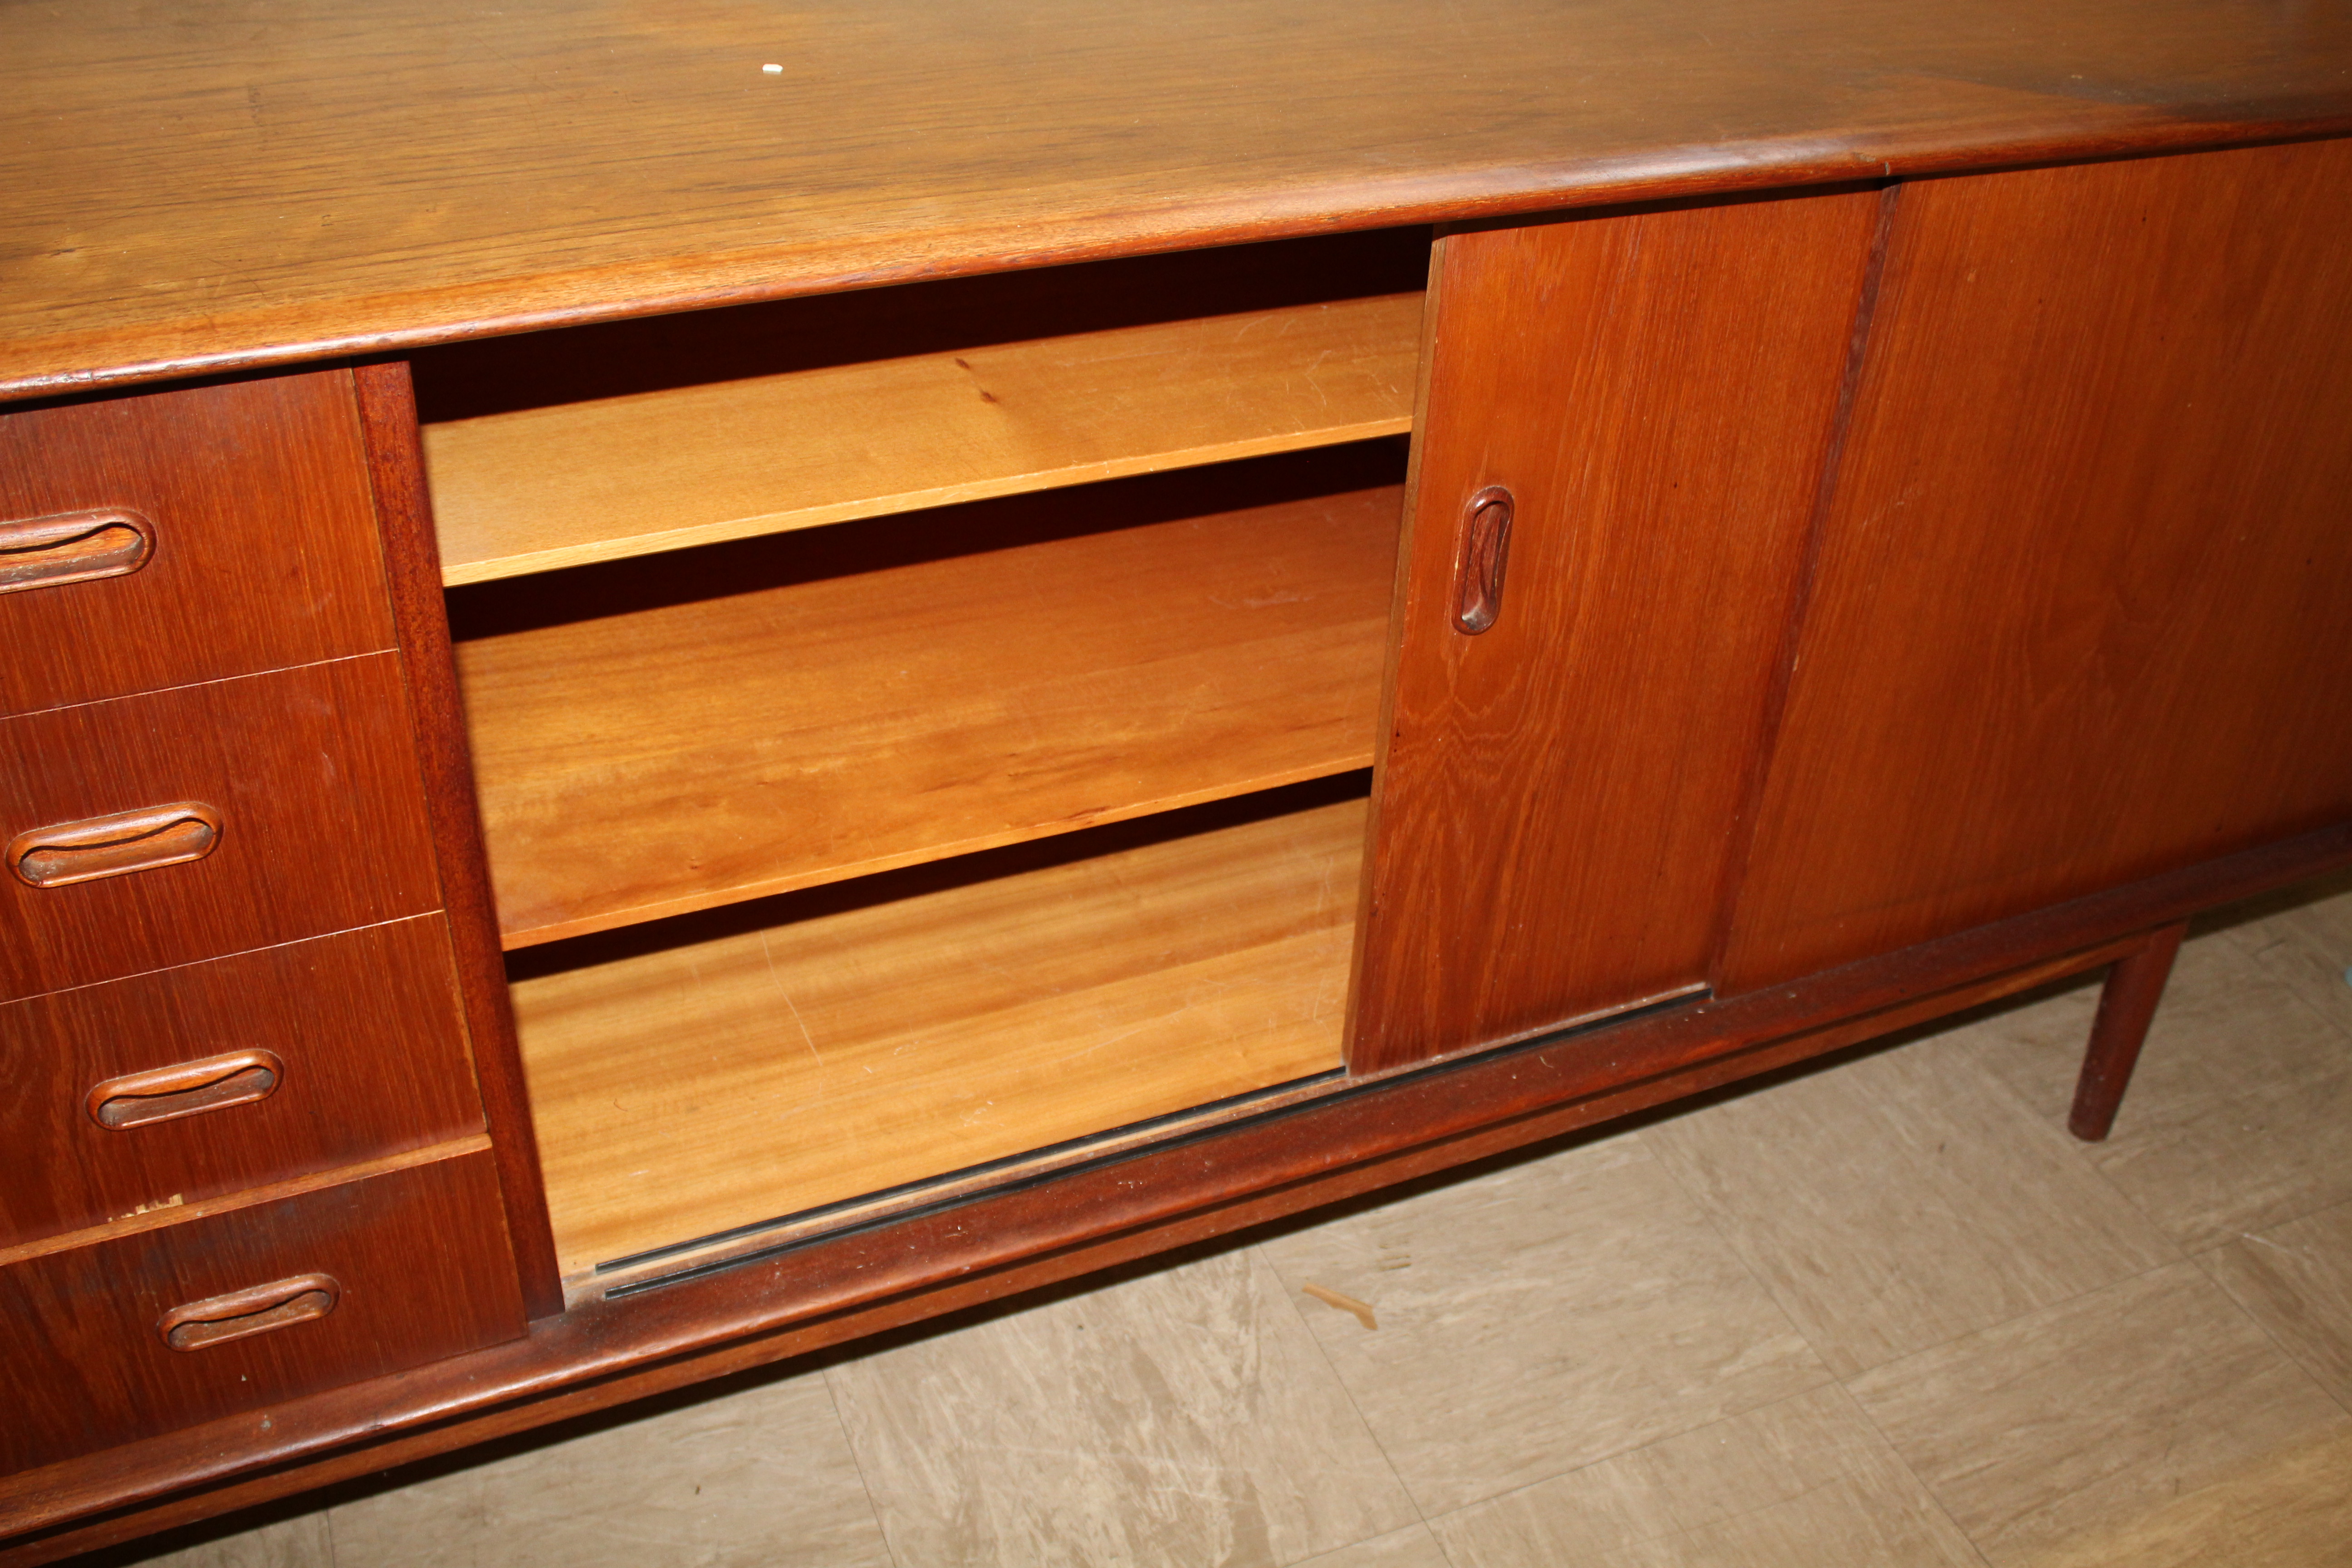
<point x="1734" y="868"/>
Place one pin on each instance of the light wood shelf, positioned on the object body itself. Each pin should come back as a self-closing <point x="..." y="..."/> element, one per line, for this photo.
<point x="856" y="699"/>
<point x="922" y="1023"/>
<point x="529" y="490"/>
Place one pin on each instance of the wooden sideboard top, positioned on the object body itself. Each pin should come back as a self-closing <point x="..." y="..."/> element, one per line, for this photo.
<point x="219" y="186"/>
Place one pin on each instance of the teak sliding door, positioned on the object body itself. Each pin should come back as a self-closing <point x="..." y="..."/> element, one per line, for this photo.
<point x="1565" y="762"/>
<point x="2083" y="610"/>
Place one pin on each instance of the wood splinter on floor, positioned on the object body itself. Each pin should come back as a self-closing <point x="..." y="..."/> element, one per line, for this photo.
<point x="1363" y="1310"/>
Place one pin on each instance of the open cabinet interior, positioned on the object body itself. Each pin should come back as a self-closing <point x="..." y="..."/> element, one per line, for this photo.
<point x="1021" y="802"/>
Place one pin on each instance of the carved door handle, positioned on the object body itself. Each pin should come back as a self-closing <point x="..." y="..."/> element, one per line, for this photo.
<point x="240" y="1314"/>
<point x="72" y="547"/>
<point x="69" y="852"/>
<point x="1485" y="552"/>
<point x="166" y="1094"/>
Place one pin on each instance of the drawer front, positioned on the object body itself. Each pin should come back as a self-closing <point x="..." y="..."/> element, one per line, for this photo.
<point x="371" y="1276"/>
<point x="310" y="777"/>
<point x="162" y="539"/>
<point x="192" y="1083"/>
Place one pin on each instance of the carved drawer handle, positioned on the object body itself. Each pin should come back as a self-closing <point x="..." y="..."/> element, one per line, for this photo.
<point x="1486" y="552"/>
<point x="72" y="547"/>
<point x="110" y="846"/>
<point x="240" y="1314"/>
<point x="166" y="1094"/>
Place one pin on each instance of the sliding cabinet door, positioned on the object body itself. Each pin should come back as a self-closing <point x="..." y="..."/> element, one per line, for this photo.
<point x="2083" y="611"/>
<point x="1624" y="419"/>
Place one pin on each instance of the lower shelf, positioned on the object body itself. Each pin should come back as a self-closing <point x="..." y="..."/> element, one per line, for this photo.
<point x="758" y="1061"/>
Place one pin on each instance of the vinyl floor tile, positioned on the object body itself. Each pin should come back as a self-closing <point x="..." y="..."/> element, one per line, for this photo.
<point x="1184" y="1416"/>
<point x="1538" y="1317"/>
<point x="2291" y="1509"/>
<point x="1413" y="1547"/>
<point x="1901" y="1200"/>
<point x="2296" y="1280"/>
<point x="2225" y="1022"/>
<point x="300" y="1542"/>
<point x="1799" y="1484"/>
<point x="2240" y="1114"/>
<point x="2273" y="1152"/>
<point x="2303" y="939"/>
<point x="2075" y="1422"/>
<point x="757" y="1476"/>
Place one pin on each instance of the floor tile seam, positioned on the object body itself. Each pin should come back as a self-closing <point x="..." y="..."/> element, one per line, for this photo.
<point x="1982" y="1328"/>
<point x="1731" y="1243"/>
<point x="2294" y="992"/>
<point x="1716" y="1418"/>
<point x="2083" y="1151"/>
<point x="2342" y="1076"/>
<point x="1442" y="1550"/>
<point x="2284" y="1350"/>
<point x="1942" y="1507"/>
<point x="2086" y="1150"/>
<point x="1679" y="1531"/>
<point x="1723" y="1230"/>
<point x="1290" y="1296"/>
<point x="2341" y="974"/>
<point x="1829" y="1378"/>
<point x="873" y="1503"/>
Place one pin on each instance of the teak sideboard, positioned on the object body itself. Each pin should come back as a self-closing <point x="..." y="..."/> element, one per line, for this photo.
<point x="681" y="682"/>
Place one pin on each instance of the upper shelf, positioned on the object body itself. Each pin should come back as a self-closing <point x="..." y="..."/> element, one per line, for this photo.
<point x="258" y="187"/>
<point x="540" y="488"/>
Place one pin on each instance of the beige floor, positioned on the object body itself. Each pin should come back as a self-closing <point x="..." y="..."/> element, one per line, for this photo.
<point x="1884" y="1312"/>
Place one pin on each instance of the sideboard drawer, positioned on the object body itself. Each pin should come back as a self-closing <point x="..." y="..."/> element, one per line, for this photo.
<point x="174" y="537"/>
<point x="191" y="1083"/>
<point x="233" y="1313"/>
<point x="157" y="830"/>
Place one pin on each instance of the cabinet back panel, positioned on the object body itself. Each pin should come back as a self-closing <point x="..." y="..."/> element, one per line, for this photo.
<point x="771" y="1058"/>
<point x="665" y="735"/>
<point x="1560" y="795"/>
<point x="2083" y="609"/>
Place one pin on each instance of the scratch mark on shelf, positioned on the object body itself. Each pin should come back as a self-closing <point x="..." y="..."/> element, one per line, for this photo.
<point x="778" y="982"/>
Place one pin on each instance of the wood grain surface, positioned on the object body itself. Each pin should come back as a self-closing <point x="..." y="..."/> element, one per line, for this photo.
<point x="581" y="481"/>
<point x="264" y="550"/>
<point x="323" y="821"/>
<point x="713" y="725"/>
<point x="2126" y="1006"/>
<point x="240" y="188"/>
<point x="1558" y="795"/>
<point x="2080" y="612"/>
<point x="420" y="1254"/>
<point x="396" y="469"/>
<point x="366" y="1024"/>
<point x="814" y="1049"/>
<point x="1360" y="1137"/>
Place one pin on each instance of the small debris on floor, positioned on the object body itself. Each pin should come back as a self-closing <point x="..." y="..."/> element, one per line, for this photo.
<point x="1363" y="1310"/>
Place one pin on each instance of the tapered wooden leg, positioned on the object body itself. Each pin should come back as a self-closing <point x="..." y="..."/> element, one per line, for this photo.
<point x="2135" y="985"/>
